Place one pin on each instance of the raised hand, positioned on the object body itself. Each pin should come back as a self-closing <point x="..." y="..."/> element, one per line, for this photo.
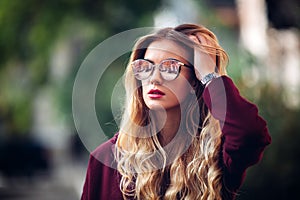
<point x="204" y="61"/>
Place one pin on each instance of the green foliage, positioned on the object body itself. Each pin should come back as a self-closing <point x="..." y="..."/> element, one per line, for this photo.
<point x="31" y="29"/>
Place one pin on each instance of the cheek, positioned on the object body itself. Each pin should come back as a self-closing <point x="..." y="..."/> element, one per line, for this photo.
<point x="180" y="88"/>
<point x="145" y="88"/>
<point x="144" y="94"/>
<point x="180" y="91"/>
<point x="176" y="91"/>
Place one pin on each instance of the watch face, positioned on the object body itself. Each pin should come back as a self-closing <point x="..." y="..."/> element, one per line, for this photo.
<point x="209" y="77"/>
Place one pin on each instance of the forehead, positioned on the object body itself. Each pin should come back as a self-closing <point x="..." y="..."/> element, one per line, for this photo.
<point x="163" y="49"/>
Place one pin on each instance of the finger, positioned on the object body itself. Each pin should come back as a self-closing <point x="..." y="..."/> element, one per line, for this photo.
<point x="195" y="39"/>
<point x="205" y="42"/>
<point x="202" y="39"/>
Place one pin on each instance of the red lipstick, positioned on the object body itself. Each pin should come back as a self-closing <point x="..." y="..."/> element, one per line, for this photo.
<point x="155" y="94"/>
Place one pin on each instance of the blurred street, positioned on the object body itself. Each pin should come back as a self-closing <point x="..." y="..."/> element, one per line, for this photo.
<point x="63" y="182"/>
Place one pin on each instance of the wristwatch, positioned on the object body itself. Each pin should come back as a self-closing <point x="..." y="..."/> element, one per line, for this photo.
<point x="209" y="77"/>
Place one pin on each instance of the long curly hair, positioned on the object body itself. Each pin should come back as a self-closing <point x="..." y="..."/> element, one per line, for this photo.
<point x="189" y="170"/>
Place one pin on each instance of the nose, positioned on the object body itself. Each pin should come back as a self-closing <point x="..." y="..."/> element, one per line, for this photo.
<point x="155" y="77"/>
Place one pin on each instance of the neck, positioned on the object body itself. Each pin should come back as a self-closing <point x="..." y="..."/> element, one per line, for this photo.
<point x="170" y="125"/>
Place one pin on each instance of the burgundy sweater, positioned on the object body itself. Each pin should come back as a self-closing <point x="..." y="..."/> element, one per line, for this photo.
<point x="245" y="136"/>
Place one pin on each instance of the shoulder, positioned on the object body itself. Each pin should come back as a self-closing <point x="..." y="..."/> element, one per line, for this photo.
<point x="106" y="146"/>
<point x="102" y="178"/>
<point x="104" y="153"/>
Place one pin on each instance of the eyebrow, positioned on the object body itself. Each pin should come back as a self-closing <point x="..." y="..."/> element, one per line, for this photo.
<point x="187" y="65"/>
<point x="148" y="60"/>
<point x="164" y="60"/>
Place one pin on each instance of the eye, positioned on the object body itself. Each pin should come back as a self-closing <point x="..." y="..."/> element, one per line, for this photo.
<point x="142" y="69"/>
<point x="141" y="66"/>
<point x="169" y="66"/>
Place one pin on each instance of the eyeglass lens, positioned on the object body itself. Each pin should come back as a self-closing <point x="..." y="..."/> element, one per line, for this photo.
<point x="169" y="69"/>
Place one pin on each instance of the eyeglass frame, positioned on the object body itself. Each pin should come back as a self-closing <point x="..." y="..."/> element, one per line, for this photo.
<point x="153" y="66"/>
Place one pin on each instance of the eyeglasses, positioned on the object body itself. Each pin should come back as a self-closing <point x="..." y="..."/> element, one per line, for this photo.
<point x="169" y="69"/>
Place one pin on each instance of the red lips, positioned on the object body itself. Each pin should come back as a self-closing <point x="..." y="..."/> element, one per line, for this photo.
<point x="155" y="94"/>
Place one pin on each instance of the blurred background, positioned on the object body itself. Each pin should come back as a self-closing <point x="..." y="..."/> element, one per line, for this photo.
<point x="43" y="43"/>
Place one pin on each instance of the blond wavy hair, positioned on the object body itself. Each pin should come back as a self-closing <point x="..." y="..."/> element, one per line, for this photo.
<point x="192" y="169"/>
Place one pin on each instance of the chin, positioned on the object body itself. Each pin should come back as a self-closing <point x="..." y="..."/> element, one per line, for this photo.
<point x="161" y="107"/>
<point x="156" y="107"/>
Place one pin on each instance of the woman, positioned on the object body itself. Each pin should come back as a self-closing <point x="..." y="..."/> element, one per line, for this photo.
<point x="186" y="132"/>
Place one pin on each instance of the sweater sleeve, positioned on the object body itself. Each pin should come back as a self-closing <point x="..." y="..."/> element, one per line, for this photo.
<point x="245" y="134"/>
